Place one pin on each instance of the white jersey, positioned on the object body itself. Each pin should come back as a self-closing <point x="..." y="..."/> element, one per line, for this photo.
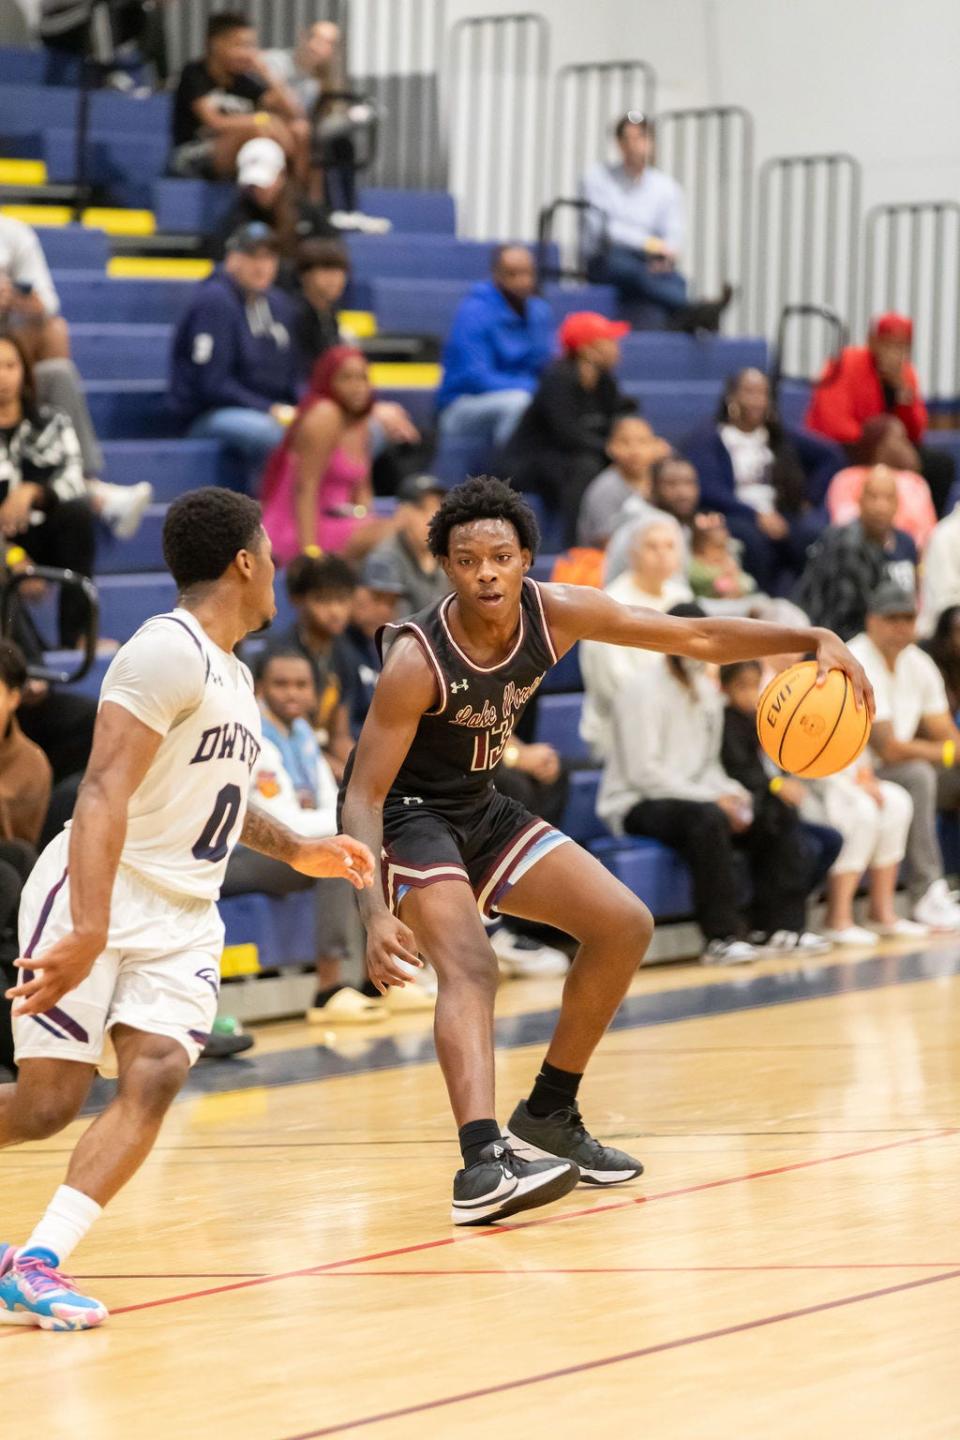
<point x="187" y="813"/>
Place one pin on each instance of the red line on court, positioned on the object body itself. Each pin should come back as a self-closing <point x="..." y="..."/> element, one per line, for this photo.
<point x="501" y="1230"/>
<point x="608" y="1360"/>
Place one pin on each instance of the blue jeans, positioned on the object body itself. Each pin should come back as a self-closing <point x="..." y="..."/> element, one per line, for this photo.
<point x="629" y="270"/>
<point x="490" y="419"/>
<point x="776" y="564"/>
<point x="250" y="434"/>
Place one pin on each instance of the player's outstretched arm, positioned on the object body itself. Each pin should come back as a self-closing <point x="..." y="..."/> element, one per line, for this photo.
<point x="337" y="857"/>
<point x="578" y="612"/>
<point x="123" y="749"/>
<point x="406" y="689"/>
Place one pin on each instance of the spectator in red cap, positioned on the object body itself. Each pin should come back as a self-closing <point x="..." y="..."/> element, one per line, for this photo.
<point x="560" y="443"/>
<point x="878" y="379"/>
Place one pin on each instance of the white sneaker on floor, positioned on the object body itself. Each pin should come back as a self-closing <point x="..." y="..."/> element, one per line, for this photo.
<point x="522" y="958"/>
<point x="730" y="952"/>
<point x="362" y="224"/>
<point x="792" y="942"/>
<point x="851" y="935"/>
<point x="122" y="507"/>
<point x="347" y="1007"/>
<point x="901" y="929"/>
<point x="936" y="910"/>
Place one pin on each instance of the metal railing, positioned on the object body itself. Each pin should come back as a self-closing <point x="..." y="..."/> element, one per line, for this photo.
<point x="808" y="235"/>
<point x="394" y="53"/>
<point x="709" y="152"/>
<point x="495" y="98"/>
<point x="277" y="23"/>
<point x="912" y="264"/>
<point x="829" y="333"/>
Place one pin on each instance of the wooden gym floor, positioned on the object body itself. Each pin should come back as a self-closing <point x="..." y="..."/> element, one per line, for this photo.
<point x="789" y="1265"/>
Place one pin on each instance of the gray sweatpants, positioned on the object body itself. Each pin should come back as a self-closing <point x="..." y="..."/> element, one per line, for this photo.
<point x="931" y="789"/>
<point x="60" y="387"/>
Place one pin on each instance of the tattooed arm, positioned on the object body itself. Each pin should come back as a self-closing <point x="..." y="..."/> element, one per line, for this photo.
<point x="340" y="856"/>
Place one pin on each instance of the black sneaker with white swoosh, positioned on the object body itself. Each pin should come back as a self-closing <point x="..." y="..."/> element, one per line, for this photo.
<point x="564" y="1135"/>
<point x="500" y="1184"/>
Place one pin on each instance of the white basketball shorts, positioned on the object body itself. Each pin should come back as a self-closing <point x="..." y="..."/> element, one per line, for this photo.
<point x="160" y="971"/>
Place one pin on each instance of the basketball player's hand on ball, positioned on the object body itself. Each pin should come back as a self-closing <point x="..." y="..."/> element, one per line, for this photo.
<point x="392" y="957"/>
<point x="54" y="973"/>
<point x="340" y="858"/>
<point x="832" y="654"/>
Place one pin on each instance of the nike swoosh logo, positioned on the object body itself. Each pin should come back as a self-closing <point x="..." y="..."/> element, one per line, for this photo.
<point x="508" y="1183"/>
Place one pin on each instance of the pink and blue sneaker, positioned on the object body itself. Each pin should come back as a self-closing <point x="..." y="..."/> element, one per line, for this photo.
<point x="33" y="1292"/>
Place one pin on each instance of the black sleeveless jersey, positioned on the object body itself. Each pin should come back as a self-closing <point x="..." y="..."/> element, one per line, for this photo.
<point x="463" y="738"/>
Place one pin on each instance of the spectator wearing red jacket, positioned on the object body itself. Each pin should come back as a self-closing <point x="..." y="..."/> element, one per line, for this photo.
<point x="878" y="379"/>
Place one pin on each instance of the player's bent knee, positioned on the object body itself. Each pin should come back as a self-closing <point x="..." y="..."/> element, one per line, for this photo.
<point x="153" y="1080"/>
<point x="475" y="966"/>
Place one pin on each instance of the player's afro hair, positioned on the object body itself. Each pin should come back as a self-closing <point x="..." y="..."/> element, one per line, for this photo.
<point x="483" y="498"/>
<point x="203" y="532"/>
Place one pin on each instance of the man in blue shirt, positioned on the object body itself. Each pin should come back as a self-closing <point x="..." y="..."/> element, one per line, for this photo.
<point x="234" y="365"/>
<point x="502" y="337"/>
<point x="637" y="245"/>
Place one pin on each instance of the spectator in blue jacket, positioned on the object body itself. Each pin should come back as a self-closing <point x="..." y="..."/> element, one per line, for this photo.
<point x="769" y="481"/>
<point x="502" y="337"/>
<point x="234" y="363"/>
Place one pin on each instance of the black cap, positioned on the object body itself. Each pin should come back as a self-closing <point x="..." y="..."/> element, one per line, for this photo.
<point x="889" y="598"/>
<point x="415" y="487"/>
<point x="378" y="574"/>
<point x="250" y="238"/>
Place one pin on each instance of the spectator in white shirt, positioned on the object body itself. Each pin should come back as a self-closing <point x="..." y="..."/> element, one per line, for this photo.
<point x="941" y="572"/>
<point x="915" y="741"/>
<point x="650" y="581"/>
<point x="636" y="245"/>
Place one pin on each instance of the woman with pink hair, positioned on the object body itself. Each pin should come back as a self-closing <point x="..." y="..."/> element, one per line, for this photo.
<point x="316" y="488"/>
<point x="885" y="442"/>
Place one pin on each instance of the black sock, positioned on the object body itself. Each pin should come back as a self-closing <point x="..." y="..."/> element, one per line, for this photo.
<point x="474" y="1136"/>
<point x="552" y="1090"/>
<point x="322" y="996"/>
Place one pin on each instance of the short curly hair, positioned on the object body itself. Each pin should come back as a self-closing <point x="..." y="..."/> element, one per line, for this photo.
<point x="205" y="530"/>
<point x="483" y="498"/>
<point x="320" y="575"/>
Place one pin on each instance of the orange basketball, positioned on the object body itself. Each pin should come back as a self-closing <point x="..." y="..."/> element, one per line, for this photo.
<point x="809" y="729"/>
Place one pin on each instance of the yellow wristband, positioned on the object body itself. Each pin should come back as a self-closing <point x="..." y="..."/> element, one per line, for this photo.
<point x="776" y="785"/>
<point x="16" y="555"/>
<point x="262" y="118"/>
<point x="949" y="754"/>
<point x="313" y="551"/>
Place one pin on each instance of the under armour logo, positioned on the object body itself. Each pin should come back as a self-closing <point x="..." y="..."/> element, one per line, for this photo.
<point x="459" y="685"/>
<point x="412" y="800"/>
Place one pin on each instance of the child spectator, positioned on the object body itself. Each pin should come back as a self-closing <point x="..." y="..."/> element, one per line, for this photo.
<point x="316" y="489"/>
<point x="560" y="443"/>
<point x="633" y="450"/>
<point x="650" y="581"/>
<point x="714" y="571"/>
<point x="848" y="562"/>
<point x="322" y="591"/>
<point x="885" y="442"/>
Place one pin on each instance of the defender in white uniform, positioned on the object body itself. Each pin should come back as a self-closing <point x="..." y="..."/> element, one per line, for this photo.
<point x="119" y="932"/>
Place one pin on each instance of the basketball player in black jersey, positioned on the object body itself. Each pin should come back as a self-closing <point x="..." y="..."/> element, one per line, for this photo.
<point x="455" y="681"/>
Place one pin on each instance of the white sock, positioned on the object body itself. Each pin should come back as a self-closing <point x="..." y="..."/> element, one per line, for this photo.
<point x="68" y="1218"/>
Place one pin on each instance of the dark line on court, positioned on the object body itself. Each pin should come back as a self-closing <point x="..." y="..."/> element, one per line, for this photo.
<point x="533" y="1271"/>
<point x="585" y="1366"/>
<point x="666" y="1007"/>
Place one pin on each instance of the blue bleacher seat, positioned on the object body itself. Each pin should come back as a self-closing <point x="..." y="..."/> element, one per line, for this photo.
<point x="565" y="676"/>
<point x="126" y="601"/>
<point x="133" y="159"/>
<point x="420" y="402"/>
<point x="650" y="870"/>
<point x="580" y="820"/>
<point x="558" y="724"/>
<point x="67" y="661"/>
<point x="542" y="567"/>
<point x="675" y="407"/>
<point x="283" y="930"/>
<point x="22" y="66"/>
<point x="793" y="400"/>
<point x="192" y="207"/>
<point x="431" y="212"/>
<point x="171" y="466"/>
<point x="122" y="409"/>
<point x="550" y="523"/>
<point x="565" y="299"/>
<point x="457" y="457"/>
<point x="417" y="257"/>
<point x="660" y="355"/>
<point x="74" y="247"/>
<point x="428" y="307"/>
<point x="91" y="296"/>
<point x="144" y="551"/>
<point x="108" y="351"/>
